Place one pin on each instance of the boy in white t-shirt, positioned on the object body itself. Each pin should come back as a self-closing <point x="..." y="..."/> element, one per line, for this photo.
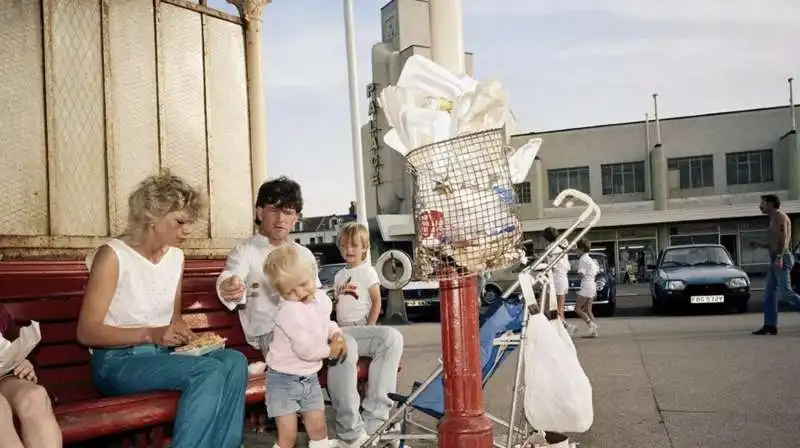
<point x="356" y="287"/>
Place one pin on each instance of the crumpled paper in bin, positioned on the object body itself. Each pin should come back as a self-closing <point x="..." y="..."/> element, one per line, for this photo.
<point x="428" y="91"/>
<point x="13" y="353"/>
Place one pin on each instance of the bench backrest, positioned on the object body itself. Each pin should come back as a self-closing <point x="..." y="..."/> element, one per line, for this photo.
<point x="50" y="292"/>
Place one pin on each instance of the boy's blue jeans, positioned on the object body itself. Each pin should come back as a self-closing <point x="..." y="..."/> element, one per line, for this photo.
<point x="778" y="287"/>
<point x="211" y="406"/>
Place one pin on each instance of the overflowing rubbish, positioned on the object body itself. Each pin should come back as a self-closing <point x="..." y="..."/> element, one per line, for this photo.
<point x="453" y="132"/>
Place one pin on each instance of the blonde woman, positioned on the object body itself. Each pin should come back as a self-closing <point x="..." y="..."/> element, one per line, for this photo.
<point x="131" y="319"/>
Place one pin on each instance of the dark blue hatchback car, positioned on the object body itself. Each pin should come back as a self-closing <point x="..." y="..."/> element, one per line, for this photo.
<point x="698" y="276"/>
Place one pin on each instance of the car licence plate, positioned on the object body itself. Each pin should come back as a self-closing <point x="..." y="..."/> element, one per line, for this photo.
<point x="707" y="299"/>
<point x="413" y="303"/>
<point x="569" y="307"/>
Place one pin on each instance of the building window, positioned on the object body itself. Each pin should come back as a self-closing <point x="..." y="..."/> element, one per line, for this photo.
<point x="622" y="178"/>
<point x="523" y="191"/>
<point x="563" y="178"/>
<point x="694" y="172"/>
<point x="749" y="167"/>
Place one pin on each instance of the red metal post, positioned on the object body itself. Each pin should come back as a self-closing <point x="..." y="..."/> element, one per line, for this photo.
<point x="465" y="424"/>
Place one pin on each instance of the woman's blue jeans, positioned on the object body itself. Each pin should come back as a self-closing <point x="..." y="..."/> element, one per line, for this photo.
<point x="212" y="402"/>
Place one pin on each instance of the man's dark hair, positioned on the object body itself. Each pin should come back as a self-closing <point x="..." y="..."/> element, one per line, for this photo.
<point x="772" y="200"/>
<point x="584" y="245"/>
<point x="280" y="193"/>
<point x="550" y="234"/>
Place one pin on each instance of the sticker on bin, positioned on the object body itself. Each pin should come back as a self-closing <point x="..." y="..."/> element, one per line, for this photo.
<point x="431" y="223"/>
<point x="204" y="344"/>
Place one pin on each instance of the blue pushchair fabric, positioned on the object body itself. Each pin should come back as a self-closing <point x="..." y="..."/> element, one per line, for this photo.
<point x="501" y="317"/>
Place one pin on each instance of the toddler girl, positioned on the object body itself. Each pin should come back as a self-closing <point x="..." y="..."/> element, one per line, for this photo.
<point x="300" y="341"/>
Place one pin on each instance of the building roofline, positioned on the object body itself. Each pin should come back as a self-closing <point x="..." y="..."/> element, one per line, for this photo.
<point x="624" y="123"/>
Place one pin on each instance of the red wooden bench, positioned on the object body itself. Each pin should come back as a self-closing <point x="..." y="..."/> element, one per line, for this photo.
<point x="51" y="292"/>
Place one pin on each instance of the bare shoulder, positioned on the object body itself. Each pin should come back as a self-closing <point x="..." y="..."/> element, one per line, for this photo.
<point x="103" y="259"/>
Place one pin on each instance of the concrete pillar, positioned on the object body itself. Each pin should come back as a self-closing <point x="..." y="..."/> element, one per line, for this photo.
<point x="538" y="189"/>
<point x="447" y="34"/>
<point x="250" y="11"/>
<point x="793" y="181"/>
<point x="658" y="178"/>
<point x="663" y="237"/>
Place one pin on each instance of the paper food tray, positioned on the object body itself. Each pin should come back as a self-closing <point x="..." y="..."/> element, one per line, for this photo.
<point x="200" y="351"/>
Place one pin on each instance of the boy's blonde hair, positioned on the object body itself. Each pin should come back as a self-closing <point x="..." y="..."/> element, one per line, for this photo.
<point x="158" y="195"/>
<point x="352" y="232"/>
<point x="285" y="264"/>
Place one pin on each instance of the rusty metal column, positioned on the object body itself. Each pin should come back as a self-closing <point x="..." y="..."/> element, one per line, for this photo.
<point x="465" y="424"/>
<point x="250" y="11"/>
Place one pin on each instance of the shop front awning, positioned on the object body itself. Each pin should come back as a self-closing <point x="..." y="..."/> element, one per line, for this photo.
<point x="401" y="227"/>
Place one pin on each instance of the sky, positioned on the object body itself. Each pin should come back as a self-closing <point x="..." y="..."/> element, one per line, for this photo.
<point x="565" y="63"/>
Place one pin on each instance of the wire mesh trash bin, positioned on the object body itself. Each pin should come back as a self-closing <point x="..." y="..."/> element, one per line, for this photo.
<point x="465" y="207"/>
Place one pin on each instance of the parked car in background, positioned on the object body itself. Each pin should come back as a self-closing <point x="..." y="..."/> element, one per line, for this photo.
<point x="795" y="273"/>
<point x="420" y="297"/>
<point x="604" y="305"/>
<point x="326" y="274"/>
<point x="698" y="276"/>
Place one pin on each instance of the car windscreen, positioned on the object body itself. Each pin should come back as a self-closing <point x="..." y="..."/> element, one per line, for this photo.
<point x="327" y="272"/>
<point x="696" y="256"/>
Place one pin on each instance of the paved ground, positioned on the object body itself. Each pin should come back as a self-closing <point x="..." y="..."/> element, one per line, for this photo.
<point x="686" y="381"/>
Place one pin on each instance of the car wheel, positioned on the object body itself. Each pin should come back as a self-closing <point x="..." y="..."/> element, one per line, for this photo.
<point x="606" y="310"/>
<point x="742" y="307"/>
<point x="490" y="295"/>
<point x="658" y="308"/>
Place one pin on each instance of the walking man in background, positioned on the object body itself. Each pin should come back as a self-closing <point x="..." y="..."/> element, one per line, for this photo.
<point x="781" y="261"/>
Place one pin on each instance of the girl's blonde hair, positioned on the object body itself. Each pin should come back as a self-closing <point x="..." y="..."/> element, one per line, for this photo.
<point x="284" y="264"/>
<point x="354" y="232"/>
<point x="158" y="195"/>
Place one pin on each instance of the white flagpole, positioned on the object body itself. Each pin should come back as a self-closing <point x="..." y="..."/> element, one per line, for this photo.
<point x="355" y="128"/>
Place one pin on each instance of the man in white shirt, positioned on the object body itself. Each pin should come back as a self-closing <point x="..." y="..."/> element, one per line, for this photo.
<point x="243" y="285"/>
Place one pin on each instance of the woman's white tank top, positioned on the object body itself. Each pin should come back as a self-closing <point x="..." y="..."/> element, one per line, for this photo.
<point x="145" y="294"/>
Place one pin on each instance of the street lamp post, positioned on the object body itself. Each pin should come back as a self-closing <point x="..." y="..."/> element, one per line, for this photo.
<point x="465" y="424"/>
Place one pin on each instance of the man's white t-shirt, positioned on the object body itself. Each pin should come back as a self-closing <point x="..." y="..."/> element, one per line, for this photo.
<point x="350" y="310"/>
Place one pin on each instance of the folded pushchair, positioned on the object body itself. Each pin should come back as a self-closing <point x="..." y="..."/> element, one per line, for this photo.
<point x="502" y="328"/>
<point x="498" y="325"/>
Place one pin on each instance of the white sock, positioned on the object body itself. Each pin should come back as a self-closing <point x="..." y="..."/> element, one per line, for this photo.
<point x="324" y="443"/>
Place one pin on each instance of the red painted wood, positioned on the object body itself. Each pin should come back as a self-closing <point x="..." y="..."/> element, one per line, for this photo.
<point x="51" y="293"/>
<point x="465" y="424"/>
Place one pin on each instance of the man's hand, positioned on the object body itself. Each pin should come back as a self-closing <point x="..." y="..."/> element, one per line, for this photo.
<point x="24" y="371"/>
<point x="232" y="288"/>
<point x="779" y="263"/>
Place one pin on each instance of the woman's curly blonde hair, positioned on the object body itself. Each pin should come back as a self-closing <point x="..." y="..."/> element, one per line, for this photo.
<point x="158" y="195"/>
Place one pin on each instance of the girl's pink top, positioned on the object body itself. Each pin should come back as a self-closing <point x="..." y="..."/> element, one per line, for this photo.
<point x="300" y="337"/>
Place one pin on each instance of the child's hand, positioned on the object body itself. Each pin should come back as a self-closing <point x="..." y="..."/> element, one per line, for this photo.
<point x="337" y="348"/>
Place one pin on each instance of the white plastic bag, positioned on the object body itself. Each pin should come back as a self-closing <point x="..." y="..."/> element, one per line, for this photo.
<point x="558" y="394"/>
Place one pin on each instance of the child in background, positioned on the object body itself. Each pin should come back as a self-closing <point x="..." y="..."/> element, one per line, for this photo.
<point x="588" y="269"/>
<point x="301" y="340"/>
<point x="356" y="288"/>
